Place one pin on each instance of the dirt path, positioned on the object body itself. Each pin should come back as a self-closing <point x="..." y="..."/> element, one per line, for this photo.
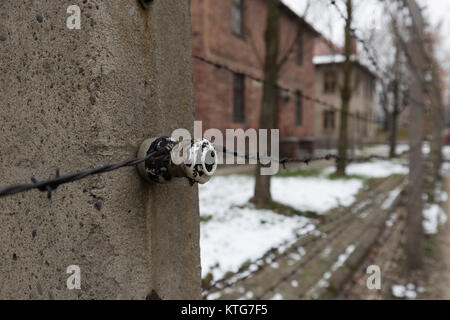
<point x="318" y="264"/>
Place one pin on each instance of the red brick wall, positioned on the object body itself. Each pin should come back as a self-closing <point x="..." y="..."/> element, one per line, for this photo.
<point x="214" y="40"/>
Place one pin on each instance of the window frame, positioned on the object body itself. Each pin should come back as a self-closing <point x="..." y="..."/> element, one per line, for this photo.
<point x="329" y="120"/>
<point x="237" y="8"/>
<point x="329" y="77"/>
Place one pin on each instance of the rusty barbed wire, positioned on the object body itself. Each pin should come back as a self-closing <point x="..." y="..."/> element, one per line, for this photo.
<point x="309" y="159"/>
<point x="51" y="185"/>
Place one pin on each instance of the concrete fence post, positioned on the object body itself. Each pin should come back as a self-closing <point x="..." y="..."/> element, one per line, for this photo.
<point x="78" y="98"/>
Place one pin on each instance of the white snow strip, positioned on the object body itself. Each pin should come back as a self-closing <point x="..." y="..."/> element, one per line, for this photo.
<point x="390" y="222"/>
<point x="277" y="297"/>
<point x="387" y="204"/>
<point x="378" y="169"/>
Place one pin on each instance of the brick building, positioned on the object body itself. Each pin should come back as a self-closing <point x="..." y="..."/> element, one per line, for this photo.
<point x="329" y="61"/>
<point x="231" y="33"/>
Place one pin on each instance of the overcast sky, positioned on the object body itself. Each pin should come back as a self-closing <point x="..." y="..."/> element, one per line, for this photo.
<point x="325" y="18"/>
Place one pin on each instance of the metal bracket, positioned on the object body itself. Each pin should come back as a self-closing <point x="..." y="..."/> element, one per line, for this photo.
<point x="195" y="160"/>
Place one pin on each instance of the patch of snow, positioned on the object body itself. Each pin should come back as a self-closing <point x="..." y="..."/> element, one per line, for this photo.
<point x="391" y="220"/>
<point x="443" y="196"/>
<point x="336" y="58"/>
<point x="237" y="232"/>
<point x="277" y="297"/>
<point x="295" y="256"/>
<point x="323" y="282"/>
<point x="235" y="235"/>
<point x="409" y="291"/>
<point x="433" y="217"/>
<point x="343" y="257"/>
<point x="315" y="194"/>
<point x="387" y="204"/>
<point x="294" y="283"/>
<point x="214" y="296"/>
<point x="377" y="169"/>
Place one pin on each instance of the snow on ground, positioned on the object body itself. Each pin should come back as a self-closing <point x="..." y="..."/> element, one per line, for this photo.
<point x="375" y="169"/>
<point x="446" y="152"/>
<point x="383" y="149"/>
<point x="406" y="292"/>
<point x="315" y="194"/>
<point x="235" y="235"/>
<point x="234" y="232"/>
<point x="433" y="217"/>
<point x="378" y="169"/>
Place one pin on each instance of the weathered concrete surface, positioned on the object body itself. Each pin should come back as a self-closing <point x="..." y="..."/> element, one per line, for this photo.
<point x="76" y="99"/>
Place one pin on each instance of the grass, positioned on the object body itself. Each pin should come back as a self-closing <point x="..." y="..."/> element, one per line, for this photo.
<point x="299" y="173"/>
<point x="334" y="176"/>
<point x="288" y="210"/>
<point x="205" y="218"/>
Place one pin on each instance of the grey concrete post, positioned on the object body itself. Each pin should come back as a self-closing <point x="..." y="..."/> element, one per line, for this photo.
<point x="75" y="99"/>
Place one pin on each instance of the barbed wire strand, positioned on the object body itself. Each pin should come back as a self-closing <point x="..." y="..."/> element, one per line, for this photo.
<point x="371" y="57"/>
<point x="330" y="106"/>
<point x="51" y="185"/>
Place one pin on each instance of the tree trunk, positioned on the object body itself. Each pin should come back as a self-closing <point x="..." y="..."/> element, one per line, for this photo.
<point x="267" y="117"/>
<point x="414" y="242"/>
<point x="395" y="111"/>
<point x="436" y="117"/>
<point x="393" y="133"/>
<point x="346" y="94"/>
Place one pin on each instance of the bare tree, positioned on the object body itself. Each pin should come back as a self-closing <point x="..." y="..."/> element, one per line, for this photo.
<point x="346" y="93"/>
<point x="396" y="92"/>
<point x="273" y="64"/>
<point x="267" y="119"/>
<point x="416" y="58"/>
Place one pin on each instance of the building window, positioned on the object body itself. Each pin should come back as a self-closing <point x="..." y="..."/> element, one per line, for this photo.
<point x="238" y="98"/>
<point x="329" y="82"/>
<point x="237" y="17"/>
<point x="299" y="108"/>
<point x="328" y="120"/>
<point x="299" y="50"/>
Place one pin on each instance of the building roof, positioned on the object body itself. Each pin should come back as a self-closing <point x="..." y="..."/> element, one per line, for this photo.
<point x="340" y="59"/>
<point x="326" y="53"/>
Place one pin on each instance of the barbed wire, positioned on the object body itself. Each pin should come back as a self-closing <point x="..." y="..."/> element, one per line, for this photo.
<point x="328" y="105"/>
<point x="373" y="60"/>
<point x="309" y="159"/>
<point x="51" y="185"/>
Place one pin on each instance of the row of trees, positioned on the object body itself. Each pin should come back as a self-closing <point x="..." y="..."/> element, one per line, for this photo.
<point x="413" y="83"/>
